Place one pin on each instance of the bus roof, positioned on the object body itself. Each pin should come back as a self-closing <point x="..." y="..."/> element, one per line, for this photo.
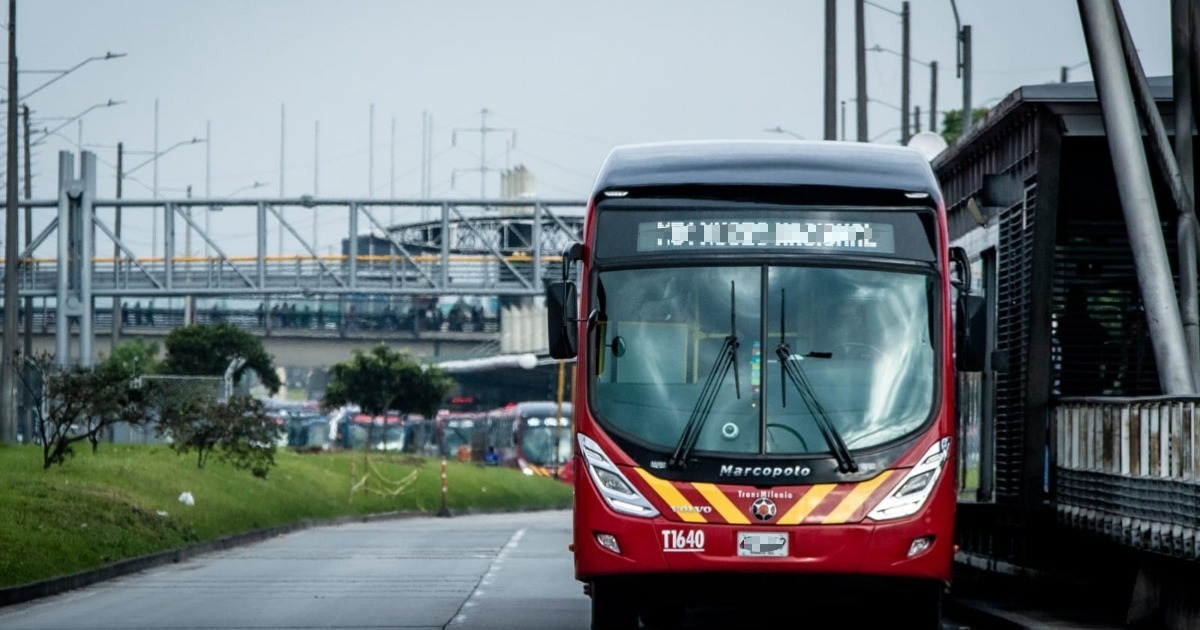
<point x="768" y="163"/>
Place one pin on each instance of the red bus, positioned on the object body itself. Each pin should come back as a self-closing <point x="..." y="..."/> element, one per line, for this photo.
<point x="534" y="437"/>
<point x="764" y="387"/>
<point x="530" y="436"/>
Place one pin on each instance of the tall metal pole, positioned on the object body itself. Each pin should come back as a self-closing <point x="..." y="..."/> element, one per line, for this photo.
<point x="905" y="74"/>
<point x="860" y="68"/>
<point x="26" y="395"/>
<point x="116" y="301"/>
<point x="1168" y="166"/>
<point x="831" y="69"/>
<point x="483" y="131"/>
<point x="1137" y="196"/>
<point x="392" y="160"/>
<point x="424" y="150"/>
<point x="371" y="152"/>
<point x="282" y="139"/>
<point x="1185" y="126"/>
<point x="8" y="415"/>
<point x="968" y="114"/>
<point x="207" y="185"/>
<point x="316" y="180"/>
<point x="154" y="194"/>
<point x="933" y="96"/>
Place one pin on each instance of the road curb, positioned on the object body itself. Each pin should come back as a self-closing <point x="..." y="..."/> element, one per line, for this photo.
<point x="53" y="586"/>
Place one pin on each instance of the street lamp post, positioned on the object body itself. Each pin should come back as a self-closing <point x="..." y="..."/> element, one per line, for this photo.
<point x="46" y="131"/>
<point x="779" y="129"/>
<point x="933" y="86"/>
<point x="211" y="209"/>
<point x="964" y="66"/>
<point x="62" y="73"/>
<point x="154" y="156"/>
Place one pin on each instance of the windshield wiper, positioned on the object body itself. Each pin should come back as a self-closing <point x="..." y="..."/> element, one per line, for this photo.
<point x="712" y="386"/>
<point x="790" y="370"/>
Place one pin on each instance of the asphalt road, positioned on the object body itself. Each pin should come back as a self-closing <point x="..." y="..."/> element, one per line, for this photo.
<point x="468" y="572"/>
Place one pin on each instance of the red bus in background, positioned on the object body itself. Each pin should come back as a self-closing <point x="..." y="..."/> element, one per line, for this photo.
<point x="529" y="436"/>
<point x="764" y="344"/>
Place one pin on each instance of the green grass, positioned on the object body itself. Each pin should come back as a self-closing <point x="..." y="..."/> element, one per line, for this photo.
<point x="101" y="508"/>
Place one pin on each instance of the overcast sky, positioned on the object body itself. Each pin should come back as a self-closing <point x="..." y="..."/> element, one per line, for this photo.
<point x="573" y="78"/>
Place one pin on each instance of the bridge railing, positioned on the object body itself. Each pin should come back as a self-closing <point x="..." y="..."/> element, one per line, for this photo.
<point x="1127" y="470"/>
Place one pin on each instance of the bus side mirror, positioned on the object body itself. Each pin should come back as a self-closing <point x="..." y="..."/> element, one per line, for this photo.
<point x="960" y="265"/>
<point x="970" y="334"/>
<point x="561" y="314"/>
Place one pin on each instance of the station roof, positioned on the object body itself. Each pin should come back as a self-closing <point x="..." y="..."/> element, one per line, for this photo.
<point x="1076" y="103"/>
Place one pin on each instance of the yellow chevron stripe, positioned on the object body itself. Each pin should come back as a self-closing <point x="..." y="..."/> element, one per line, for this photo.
<point x="668" y="493"/>
<point x="806" y="504"/>
<point x="855" y="499"/>
<point x="721" y="503"/>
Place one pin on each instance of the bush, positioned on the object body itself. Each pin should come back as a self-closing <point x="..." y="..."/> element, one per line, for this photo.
<point x="238" y="432"/>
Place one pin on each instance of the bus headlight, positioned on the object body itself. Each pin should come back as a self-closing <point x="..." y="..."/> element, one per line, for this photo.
<point x="917" y="485"/>
<point x="618" y="493"/>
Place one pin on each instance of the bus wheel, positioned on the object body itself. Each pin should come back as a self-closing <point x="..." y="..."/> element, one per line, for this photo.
<point x="613" y="606"/>
<point x="664" y="615"/>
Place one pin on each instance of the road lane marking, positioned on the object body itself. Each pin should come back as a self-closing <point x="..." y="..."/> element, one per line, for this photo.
<point x="487" y="578"/>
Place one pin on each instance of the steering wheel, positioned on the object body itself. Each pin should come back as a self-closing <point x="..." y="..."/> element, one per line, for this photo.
<point x="795" y="434"/>
<point x="860" y="351"/>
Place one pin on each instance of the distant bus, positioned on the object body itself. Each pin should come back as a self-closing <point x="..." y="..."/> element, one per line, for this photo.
<point x="353" y="430"/>
<point x="528" y="436"/>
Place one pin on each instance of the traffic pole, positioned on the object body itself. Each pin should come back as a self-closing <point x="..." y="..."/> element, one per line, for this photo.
<point x="444" y="511"/>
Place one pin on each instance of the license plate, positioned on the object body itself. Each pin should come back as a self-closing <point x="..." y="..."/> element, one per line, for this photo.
<point x="762" y="544"/>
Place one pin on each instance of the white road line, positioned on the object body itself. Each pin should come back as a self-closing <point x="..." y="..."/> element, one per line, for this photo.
<point x="487" y="578"/>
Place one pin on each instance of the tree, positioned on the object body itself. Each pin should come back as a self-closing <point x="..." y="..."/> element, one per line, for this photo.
<point x="135" y="356"/>
<point x="72" y="404"/>
<point x="237" y="431"/>
<point x="952" y="122"/>
<point x="382" y="380"/>
<point x="207" y="350"/>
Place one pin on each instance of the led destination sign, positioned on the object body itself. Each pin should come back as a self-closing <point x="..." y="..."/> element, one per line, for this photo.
<point x="869" y="237"/>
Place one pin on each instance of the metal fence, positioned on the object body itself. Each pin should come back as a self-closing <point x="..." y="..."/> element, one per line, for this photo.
<point x="1127" y="471"/>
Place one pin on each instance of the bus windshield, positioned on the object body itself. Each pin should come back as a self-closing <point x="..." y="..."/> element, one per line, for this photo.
<point x="861" y="340"/>
<point x="538" y="439"/>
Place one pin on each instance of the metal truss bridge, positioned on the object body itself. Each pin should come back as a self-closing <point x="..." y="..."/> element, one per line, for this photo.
<point x="83" y="247"/>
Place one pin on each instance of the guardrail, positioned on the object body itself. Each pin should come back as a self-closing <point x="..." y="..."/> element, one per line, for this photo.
<point x="1127" y="470"/>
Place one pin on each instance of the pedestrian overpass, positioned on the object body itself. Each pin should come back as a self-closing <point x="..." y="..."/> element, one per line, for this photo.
<point x="347" y="260"/>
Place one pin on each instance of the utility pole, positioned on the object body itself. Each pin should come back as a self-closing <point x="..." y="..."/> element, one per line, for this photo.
<point x="116" y="301"/>
<point x="860" y="68"/>
<point x="483" y="132"/>
<point x="154" y="211"/>
<point x="282" y="138"/>
<point x="207" y="186"/>
<point x="905" y="73"/>
<point x="26" y="395"/>
<point x="843" y="121"/>
<point x="968" y="114"/>
<point x="316" y="179"/>
<point x="371" y="152"/>
<point x="8" y="415"/>
<point x="392" y="172"/>
<point x="424" y="149"/>
<point x="830" y="69"/>
<point x="933" y="96"/>
<point x="916" y="119"/>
